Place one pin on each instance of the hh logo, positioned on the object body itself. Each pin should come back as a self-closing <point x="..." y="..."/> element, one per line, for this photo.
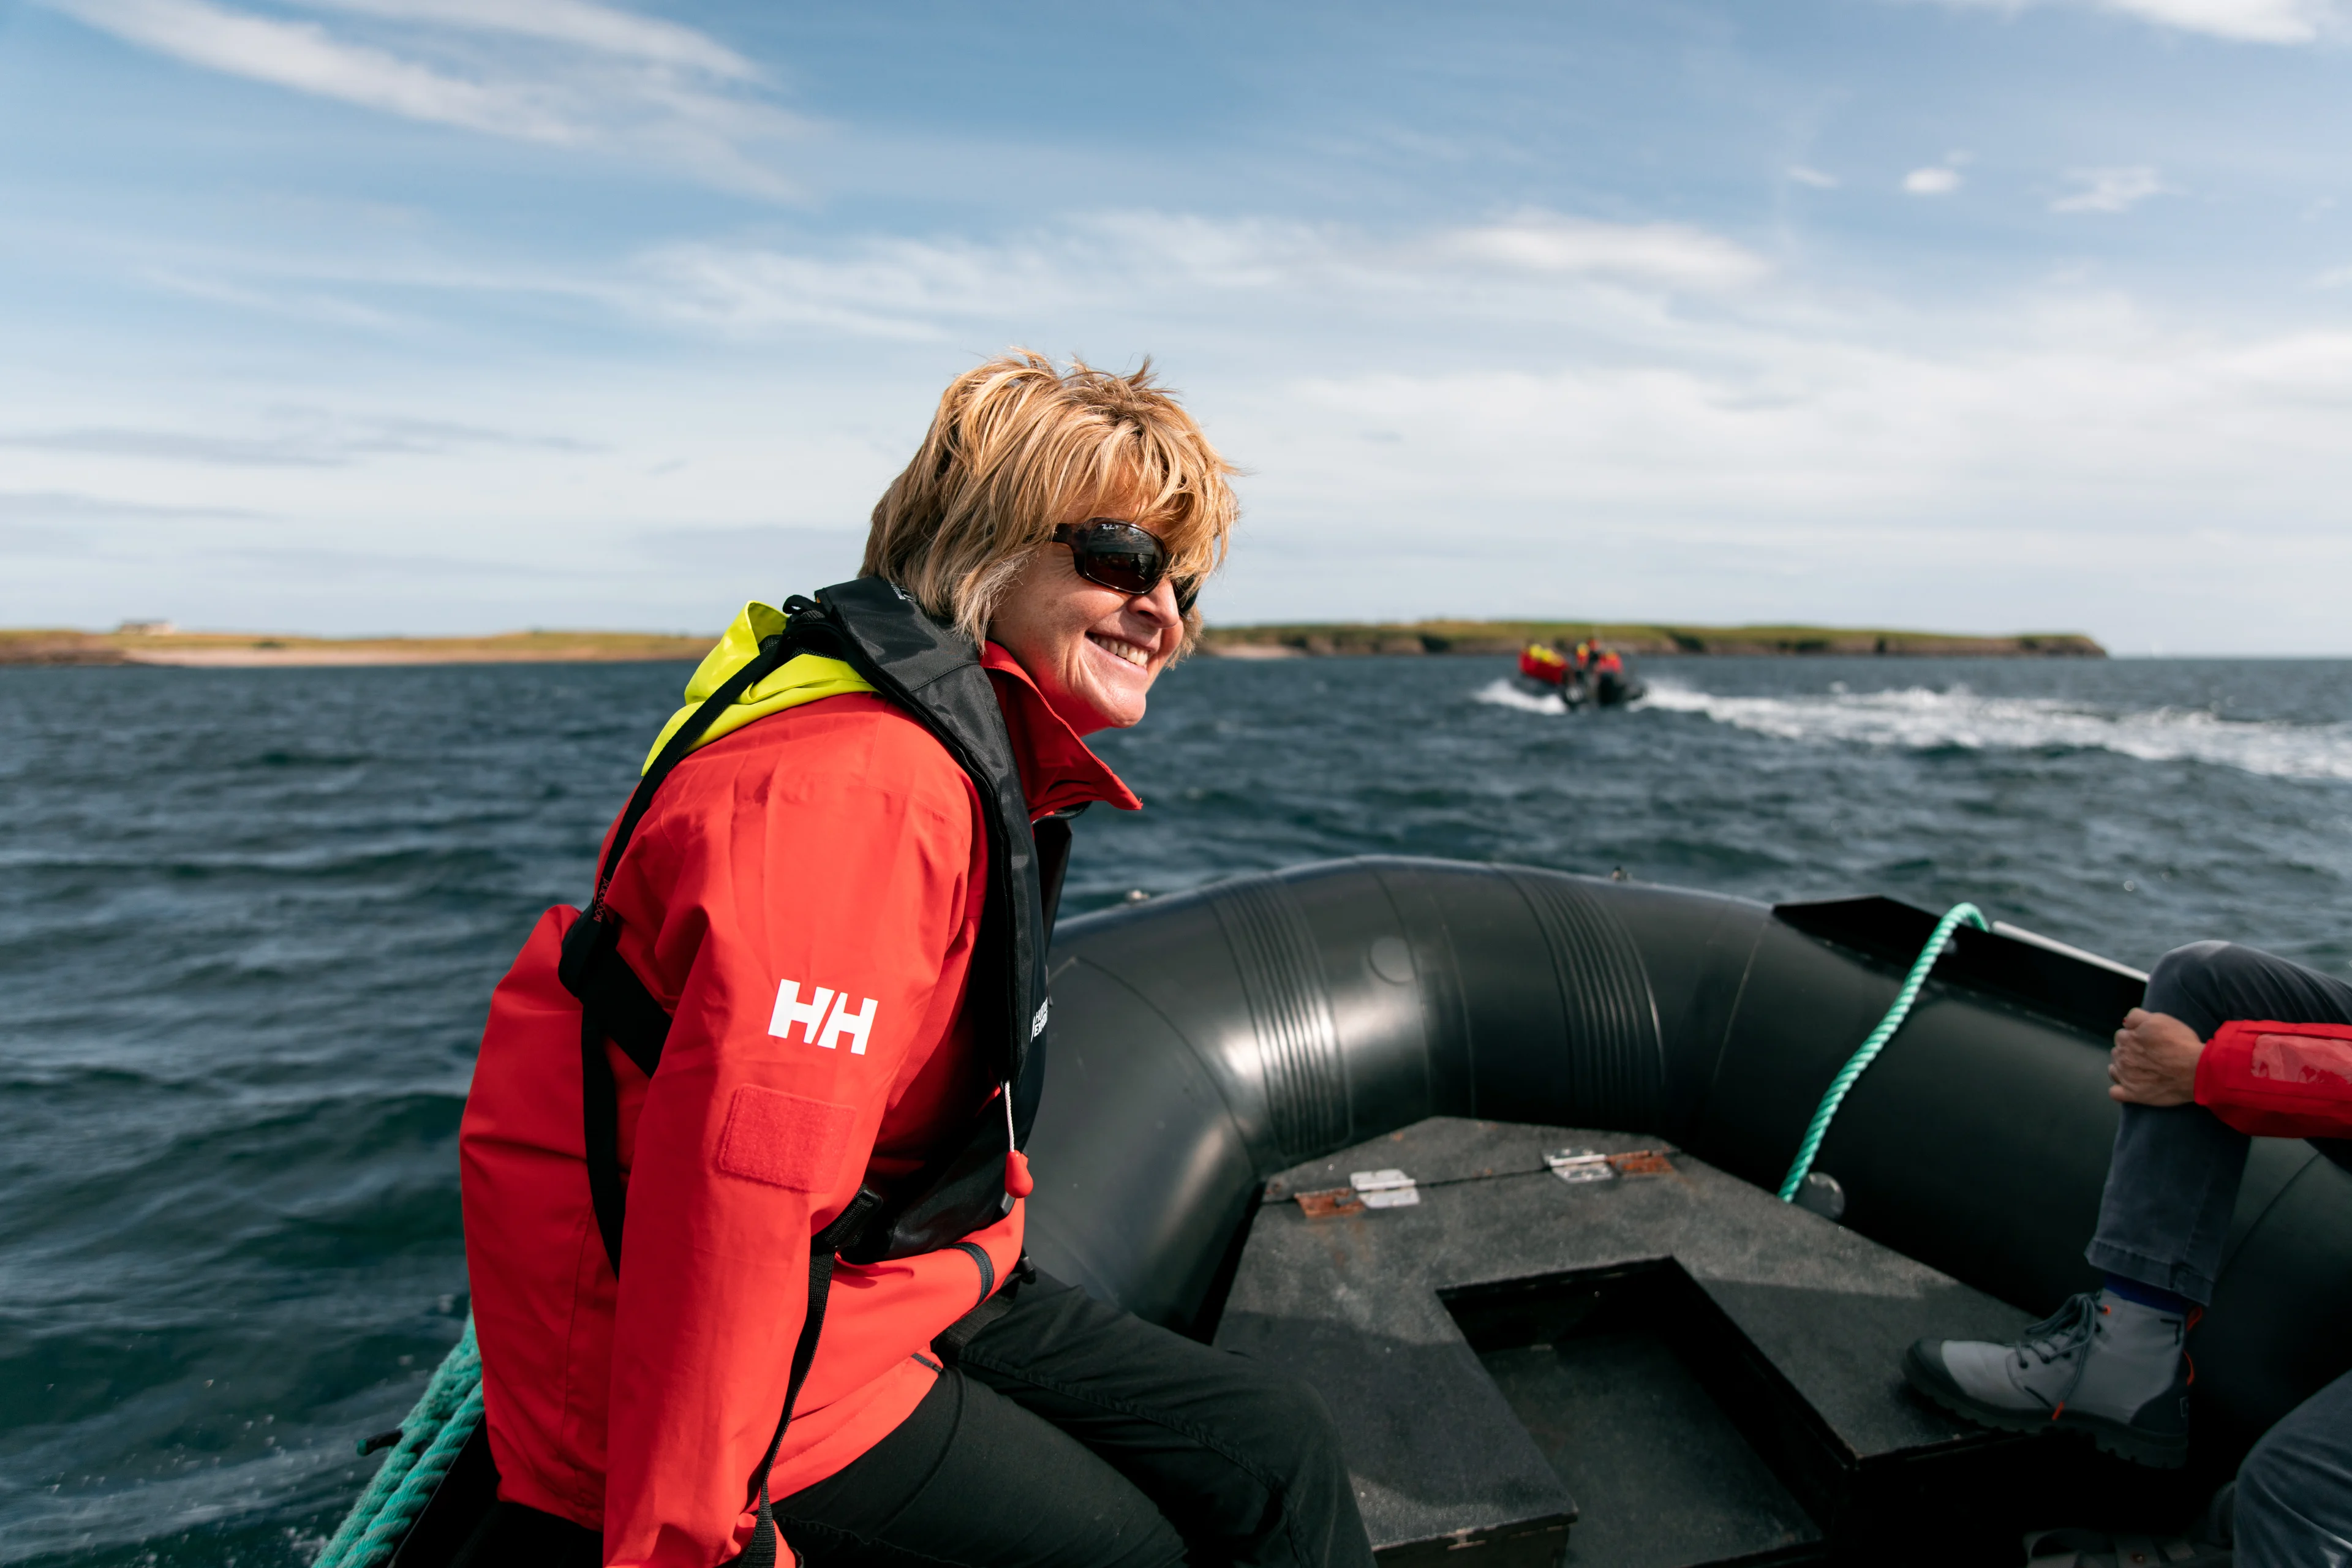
<point x="824" y="1020"/>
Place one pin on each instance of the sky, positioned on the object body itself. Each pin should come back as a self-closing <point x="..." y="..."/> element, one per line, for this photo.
<point x="443" y="316"/>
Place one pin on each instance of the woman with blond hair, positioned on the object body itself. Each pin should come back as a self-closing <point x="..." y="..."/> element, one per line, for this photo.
<point x="784" y="1061"/>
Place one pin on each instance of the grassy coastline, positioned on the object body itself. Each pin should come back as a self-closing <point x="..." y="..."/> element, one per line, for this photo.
<point x="254" y="650"/>
<point x="1647" y="639"/>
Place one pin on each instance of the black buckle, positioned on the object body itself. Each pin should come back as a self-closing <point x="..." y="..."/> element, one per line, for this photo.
<point x="591" y="936"/>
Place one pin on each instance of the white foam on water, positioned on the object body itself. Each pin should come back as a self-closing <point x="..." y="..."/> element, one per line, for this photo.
<point x="1920" y="719"/>
<point x="1506" y="694"/>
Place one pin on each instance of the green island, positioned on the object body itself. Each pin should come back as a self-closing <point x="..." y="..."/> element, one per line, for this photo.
<point x="1654" y="640"/>
<point x="153" y="643"/>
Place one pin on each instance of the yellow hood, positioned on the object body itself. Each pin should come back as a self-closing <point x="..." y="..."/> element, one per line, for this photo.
<point x="805" y="677"/>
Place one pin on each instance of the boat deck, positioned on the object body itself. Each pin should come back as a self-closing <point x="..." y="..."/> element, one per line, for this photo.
<point x="1643" y="1371"/>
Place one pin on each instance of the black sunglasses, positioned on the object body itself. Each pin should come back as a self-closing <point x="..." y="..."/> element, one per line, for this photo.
<point x="1123" y="557"/>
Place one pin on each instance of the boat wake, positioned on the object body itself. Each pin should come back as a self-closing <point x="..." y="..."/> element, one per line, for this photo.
<point x="1506" y="694"/>
<point x="1922" y="719"/>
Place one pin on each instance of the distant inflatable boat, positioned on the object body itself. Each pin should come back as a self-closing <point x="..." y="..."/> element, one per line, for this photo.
<point x="1608" y="682"/>
<point x="1488" y="1155"/>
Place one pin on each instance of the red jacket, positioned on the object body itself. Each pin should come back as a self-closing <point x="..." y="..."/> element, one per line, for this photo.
<point x="2279" y="1080"/>
<point x="833" y="844"/>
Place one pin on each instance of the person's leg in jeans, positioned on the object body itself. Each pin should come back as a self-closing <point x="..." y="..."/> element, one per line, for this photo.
<point x="2295" y="1490"/>
<point x="2113" y="1363"/>
<point x="2171" y="1185"/>
<point x="2173" y="1178"/>
<point x="1073" y="1433"/>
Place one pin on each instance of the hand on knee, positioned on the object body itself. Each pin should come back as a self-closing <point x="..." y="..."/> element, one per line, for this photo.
<point x="2154" y="1061"/>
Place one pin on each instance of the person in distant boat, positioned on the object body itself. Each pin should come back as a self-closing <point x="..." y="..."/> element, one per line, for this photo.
<point x="2232" y="1045"/>
<point x="823" y="924"/>
<point x="1606" y="676"/>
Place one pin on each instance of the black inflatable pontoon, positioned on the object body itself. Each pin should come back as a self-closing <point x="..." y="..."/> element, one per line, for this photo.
<point x="1210" y="1043"/>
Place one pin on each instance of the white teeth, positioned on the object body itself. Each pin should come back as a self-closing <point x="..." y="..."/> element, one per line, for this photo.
<point x="1128" y="652"/>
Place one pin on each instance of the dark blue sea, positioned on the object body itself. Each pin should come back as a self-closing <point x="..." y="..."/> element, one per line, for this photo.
<point x="250" y="921"/>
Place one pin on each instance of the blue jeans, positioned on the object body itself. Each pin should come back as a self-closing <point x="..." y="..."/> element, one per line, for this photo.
<point x="2172" y="1183"/>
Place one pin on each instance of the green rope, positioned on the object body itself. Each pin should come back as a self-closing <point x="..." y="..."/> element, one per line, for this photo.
<point x="430" y="1439"/>
<point x="1957" y="915"/>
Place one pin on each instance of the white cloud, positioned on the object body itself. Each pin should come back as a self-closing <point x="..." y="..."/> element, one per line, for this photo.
<point x="2240" y="21"/>
<point x="2335" y="278"/>
<point x="1814" y="177"/>
<point x="882" y="289"/>
<point x="918" y="291"/>
<point x="582" y="75"/>
<point x="578" y="23"/>
<point x="2310" y="364"/>
<point x="2247" y="21"/>
<point x="2110" y="189"/>
<point x="299" y="305"/>
<point x="300" y="439"/>
<point x="1669" y="254"/>
<point x="1934" y="181"/>
<point x="301" y="56"/>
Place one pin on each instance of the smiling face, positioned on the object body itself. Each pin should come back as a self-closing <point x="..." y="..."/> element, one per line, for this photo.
<point x="1093" y="651"/>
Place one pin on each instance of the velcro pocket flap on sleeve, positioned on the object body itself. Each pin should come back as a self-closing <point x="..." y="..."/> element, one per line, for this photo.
<point x="784" y="1140"/>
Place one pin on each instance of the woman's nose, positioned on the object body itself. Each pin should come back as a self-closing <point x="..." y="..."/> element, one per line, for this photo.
<point x="1160" y="604"/>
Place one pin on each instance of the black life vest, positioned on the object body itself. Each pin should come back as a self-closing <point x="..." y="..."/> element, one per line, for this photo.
<point x="934" y="674"/>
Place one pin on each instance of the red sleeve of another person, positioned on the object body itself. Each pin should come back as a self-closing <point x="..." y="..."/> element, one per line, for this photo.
<point x="2279" y="1080"/>
<point x="846" y="863"/>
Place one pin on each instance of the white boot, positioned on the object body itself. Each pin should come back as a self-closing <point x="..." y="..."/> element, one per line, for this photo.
<point x="2102" y="1364"/>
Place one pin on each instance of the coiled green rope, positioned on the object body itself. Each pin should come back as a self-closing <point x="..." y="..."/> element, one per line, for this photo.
<point x="430" y="1439"/>
<point x="1957" y="915"/>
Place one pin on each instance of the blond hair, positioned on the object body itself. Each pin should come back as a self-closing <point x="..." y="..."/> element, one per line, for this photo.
<point x="1015" y="447"/>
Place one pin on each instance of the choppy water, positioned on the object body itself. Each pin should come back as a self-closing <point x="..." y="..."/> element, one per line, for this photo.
<point x="250" y="921"/>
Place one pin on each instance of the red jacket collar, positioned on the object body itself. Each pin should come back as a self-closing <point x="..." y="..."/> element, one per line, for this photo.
<point x="1058" y="770"/>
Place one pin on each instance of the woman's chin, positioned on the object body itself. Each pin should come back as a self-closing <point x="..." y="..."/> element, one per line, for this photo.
<point x="1099" y="708"/>
<point x="1110" y="707"/>
<point x="1114" y="689"/>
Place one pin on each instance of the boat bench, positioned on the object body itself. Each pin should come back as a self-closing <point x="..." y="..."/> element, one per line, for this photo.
<point x="1640" y="1370"/>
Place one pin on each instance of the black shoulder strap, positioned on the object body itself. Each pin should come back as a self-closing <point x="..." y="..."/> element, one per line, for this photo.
<point x="614" y="1003"/>
<point x="934" y="673"/>
<point x="1053" y="835"/>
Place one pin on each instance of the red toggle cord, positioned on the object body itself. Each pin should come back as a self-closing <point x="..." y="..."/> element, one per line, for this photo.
<point x="1017" y="1180"/>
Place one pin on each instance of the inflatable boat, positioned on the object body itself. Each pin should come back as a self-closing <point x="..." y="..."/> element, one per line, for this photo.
<point x="1579" y="689"/>
<point x="1489" y="1154"/>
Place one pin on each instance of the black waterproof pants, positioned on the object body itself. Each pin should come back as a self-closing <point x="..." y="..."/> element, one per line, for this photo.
<point x="1071" y="1435"/>
<point x="1074" y="1435"/>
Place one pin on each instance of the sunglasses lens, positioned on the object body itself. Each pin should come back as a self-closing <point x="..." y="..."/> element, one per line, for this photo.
<point x="1119" y="555"/>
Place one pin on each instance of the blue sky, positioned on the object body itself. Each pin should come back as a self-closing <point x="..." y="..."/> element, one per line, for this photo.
<point x="453" y="315"/>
